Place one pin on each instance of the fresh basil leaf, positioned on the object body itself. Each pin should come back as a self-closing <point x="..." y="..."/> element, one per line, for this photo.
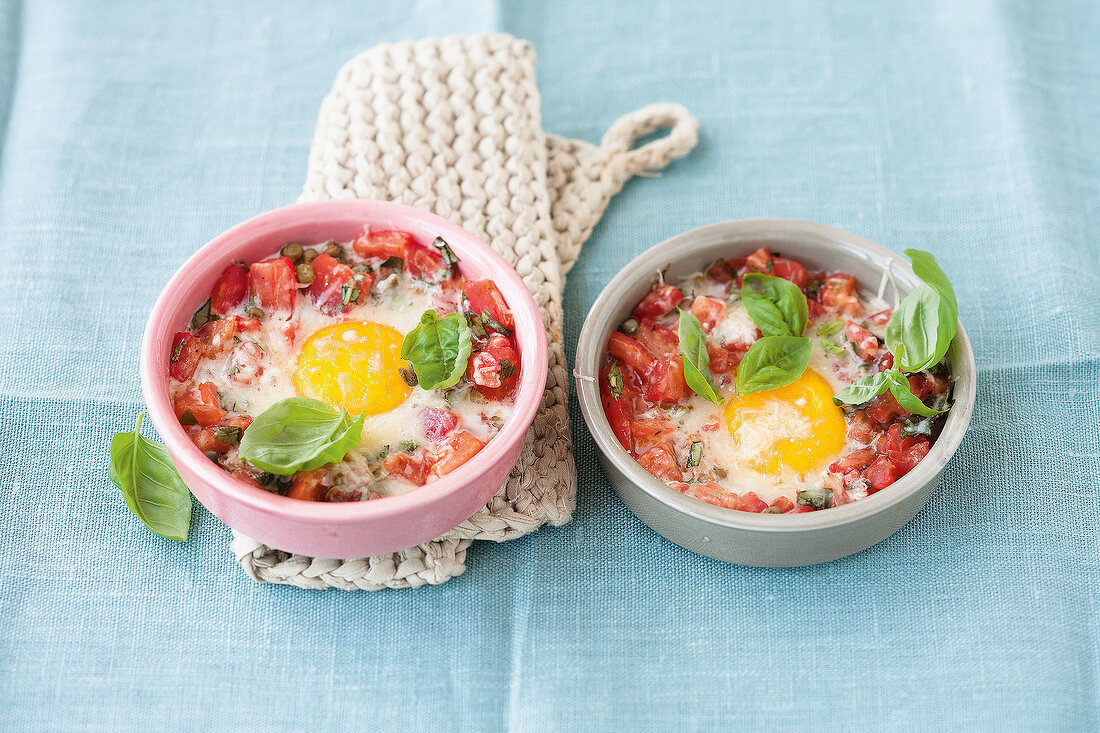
<point x="927" y="269"/>
<point x="299" y="434"/>
<point x="833" y="348"/>
<point x="777" y="306"/>
<point x="150" y="485"/>
<point x="864" y="390"/>
<point x="228" y="434"/>
<point x="203" y="316"/>
<point x="914" y="332"/>
<point x="899" y="387"/>
<point x="773" y="361"/>
<point x="693" y="347"/>
<point x="394" y="263"/>
<point x="695" y="457"/>
<point x="438" y="349"/>
<point x="828" y="328"/>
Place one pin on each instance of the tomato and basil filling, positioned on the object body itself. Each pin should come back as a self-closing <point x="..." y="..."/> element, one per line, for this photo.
<point x="760" y="385"/>
<point x="346" y="371"/>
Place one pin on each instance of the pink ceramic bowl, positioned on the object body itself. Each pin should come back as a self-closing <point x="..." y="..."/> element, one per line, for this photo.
<point x="352" y="529"/>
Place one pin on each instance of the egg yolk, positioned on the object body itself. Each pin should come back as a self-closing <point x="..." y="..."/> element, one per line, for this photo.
<point x="353" y="366"/>
<point x="796" y="427"/>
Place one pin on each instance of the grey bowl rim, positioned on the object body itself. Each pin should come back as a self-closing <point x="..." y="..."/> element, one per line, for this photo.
<point x="642" y="268"/>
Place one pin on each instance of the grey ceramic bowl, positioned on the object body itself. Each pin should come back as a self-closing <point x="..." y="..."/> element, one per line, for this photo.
<point x="770" y="540"/>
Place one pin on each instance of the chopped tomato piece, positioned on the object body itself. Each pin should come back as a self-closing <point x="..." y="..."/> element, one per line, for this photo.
<point x="629" y="351"/>
<point x="881" y="318"/>
<point x="274" y="285"/>
<point x="657" y="339"/>
<point x="382" y="244"/>
<point x="494" y="370"/>
<point x="619" y="410"/>
<point x="881" y="473"/>
<point x="857" y="459"/>
<point x="245" y="325"/>
<point x="412" y="467"/>
<point x="206" y="439"/>
<point x="425" y="262"/>
<point x="785" y="505"/>
<point x="438" y="422"/>
<point x="711" y="493"/>
<point x="203" y="403"/>
<point x="708" y="310"/>
<point x="839" y="294"/>
<point x="866" y="343"/>
<point x="335" y="284"/>
<point x="241" y="475"/>
<point x="483" y="295"/>
<point x="861" y="428"/>
<point x="665" y="380"/>
<point x="185" y="356"/>
<point x="905" y="453"/>
<point x="661" y="462"/>
<point x="816" y="309"/>
<point x="750" y="502"/>
<point x="217" y="336"/>
<point x="884" y="409"/>
<point x="458" y="448"/>
<point x="762" y="260"/>
<point x="230" y="289"/>
<point x="648" y="433"/>
<point x="885" y="362"/>
<point x="658" y="302"/>
<point x="720" y="271"/>
<point x="310" y="485"/>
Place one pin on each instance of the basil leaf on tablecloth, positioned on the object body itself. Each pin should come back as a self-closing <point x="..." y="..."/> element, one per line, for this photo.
<point x="299" y="434"/>
<point x="149" y="483"/>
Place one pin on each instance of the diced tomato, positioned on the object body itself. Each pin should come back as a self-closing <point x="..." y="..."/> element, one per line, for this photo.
<point x="244" y="325"/>
<point x="750" y="502"/>
<point x="274" y="285"/>
<point x="205" y="439"/>
<point x="711" y="493"/>
<point x="412" y="467"/>
<point x="665" y="380"/>
<point x="841" y="497"/>
<point x="629" y="352"/>
<point x="816" y="310"/>
<point x="310" y="485"/>
<point x="204" y="403"/>
<point x="839" y="294"/>
<point x="857" y="459"/>
<point x="861" y="428"/>
<point x="884" y="409"/>
<point x="425" y="262"/>
<point x="720" y="361"/>
<point x="784" y="504"/>
<point x="648" y="433"/>
<point x="658" y="302"/>
<point x="186" y="353"/>
<point x="881" y="318"/>
<point x="905" y="453"/>
<point x="923" y="386"/>
<point x="865" y="342"/>
<point x="619" y="411"/>
<point x="330" y="277"/>
<point x="458" y="448"/>
<point x="709" y="311"/>
<point x="802" y="509"/>
<point x="661" y="462"/>
<point x="759" y="260"/>
<point x="881" y="473"/>
<point x="721" y="272"/>
<point x="762" y="260"/>
<point x="230" y="289"/>
<point x="344" y="493"/>
<point x="657" y="339"/>
<point x="885" y="362"/>
<point x="494" y="370"/>
<point x="382" y="244"/>
<point x="217" y="336"/>
<point x="438" y="422"/>
<point x="241" y="475"/>
<point x="483" y="295"/>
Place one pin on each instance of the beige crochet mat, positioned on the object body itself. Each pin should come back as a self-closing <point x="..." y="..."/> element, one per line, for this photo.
<point x="453" y="126"/>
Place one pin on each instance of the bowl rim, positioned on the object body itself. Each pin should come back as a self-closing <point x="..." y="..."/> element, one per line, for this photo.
<point x="212" y="255"/>
<point x="683" y="245"/>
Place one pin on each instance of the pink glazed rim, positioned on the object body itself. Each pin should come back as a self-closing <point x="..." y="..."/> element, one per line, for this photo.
<point x="389" y="524"/>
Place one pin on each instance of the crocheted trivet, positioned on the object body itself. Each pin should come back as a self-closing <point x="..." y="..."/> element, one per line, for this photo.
<point x="453" y="126"/>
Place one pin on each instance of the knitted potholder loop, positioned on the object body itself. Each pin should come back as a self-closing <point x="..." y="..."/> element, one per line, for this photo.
<point x="453" y="126"/>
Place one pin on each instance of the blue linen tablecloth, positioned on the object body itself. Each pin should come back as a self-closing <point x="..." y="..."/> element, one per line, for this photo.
<point x="133" y="132"/>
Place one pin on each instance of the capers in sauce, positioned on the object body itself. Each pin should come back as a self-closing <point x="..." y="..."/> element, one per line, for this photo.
<point x="294" y="251"/>
<point x="309" y="255"/>
<point x="304" y="273"/>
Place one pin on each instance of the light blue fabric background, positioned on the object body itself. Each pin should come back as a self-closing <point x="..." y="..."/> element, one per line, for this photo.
<point x="133" y="132"/>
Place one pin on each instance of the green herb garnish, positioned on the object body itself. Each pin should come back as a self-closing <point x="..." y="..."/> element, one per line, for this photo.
<point x="150" y="485"/>
<point x="299" y="434"/>
<point x="438" y="349"/>
<point x="693" y="347"/>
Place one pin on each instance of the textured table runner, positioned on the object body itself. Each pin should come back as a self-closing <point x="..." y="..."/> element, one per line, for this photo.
<point x="453" y="126"/>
